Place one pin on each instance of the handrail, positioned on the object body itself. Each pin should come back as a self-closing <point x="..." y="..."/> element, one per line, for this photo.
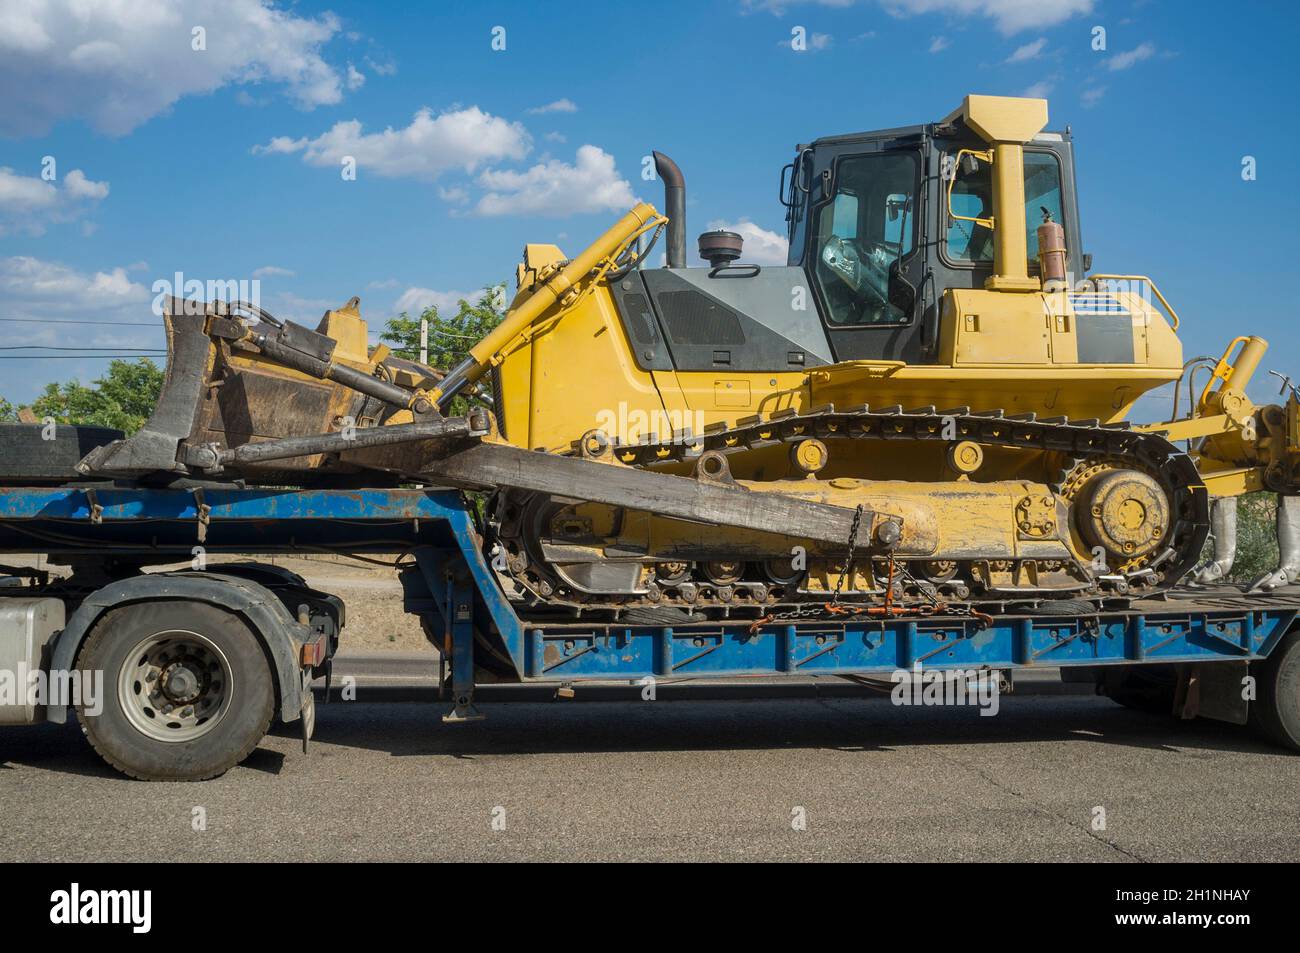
<point x="1172" y="313"/>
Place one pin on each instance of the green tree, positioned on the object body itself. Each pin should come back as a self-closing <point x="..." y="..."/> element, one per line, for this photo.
<point x="1257" y="552"/>
<point x="123" y="398"/>
<point x="7" y="412"/>
<point x="449" y="338"/>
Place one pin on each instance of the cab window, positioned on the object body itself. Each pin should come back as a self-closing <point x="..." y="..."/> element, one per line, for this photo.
<point x="972" y="195"/>
<point x="1042" y="194"/>
<point x="869" y="224"/>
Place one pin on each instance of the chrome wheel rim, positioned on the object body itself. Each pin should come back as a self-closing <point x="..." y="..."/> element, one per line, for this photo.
<point x="175" y="686"/>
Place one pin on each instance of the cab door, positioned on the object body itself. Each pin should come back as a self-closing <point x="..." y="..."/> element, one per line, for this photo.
<point x="865" y="205"/>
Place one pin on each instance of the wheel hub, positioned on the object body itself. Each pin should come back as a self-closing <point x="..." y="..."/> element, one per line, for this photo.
<point x="175" y="686"/>
<point x="1127" y="514"/>
<point x="181" y="683"/>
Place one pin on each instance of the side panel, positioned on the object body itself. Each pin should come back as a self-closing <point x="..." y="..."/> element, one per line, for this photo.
<point x="988" y="327"/>
<point x="711" y="396"/>
<point x="743" y="318"/>
<point x="885" y="646"/>
<point x="578" y="374"/>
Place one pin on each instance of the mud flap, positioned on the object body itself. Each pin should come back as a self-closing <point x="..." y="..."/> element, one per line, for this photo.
<point x="1214" y="690"/>
<point x="308" y="718"/>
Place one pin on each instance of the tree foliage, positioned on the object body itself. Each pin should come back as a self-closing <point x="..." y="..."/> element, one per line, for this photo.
<point x="1257" y="552"/>
<point x="123" y="397"/>
<point x="7" y="412"/>
<point x="449" y="338"/>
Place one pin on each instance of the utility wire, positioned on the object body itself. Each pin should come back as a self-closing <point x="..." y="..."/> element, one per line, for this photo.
<point x="106" y="324"/>
<point x="51" y="347"/>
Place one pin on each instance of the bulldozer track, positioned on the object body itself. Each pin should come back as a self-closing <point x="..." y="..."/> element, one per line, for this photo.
<point x="1086" y="442"/>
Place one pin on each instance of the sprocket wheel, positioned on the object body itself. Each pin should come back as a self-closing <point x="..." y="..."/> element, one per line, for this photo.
<point x="1122" y="508"/>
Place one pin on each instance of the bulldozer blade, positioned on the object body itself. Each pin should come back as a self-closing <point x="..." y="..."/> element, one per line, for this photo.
<point x="155" y="447"/>
<point x="489" y="465"/>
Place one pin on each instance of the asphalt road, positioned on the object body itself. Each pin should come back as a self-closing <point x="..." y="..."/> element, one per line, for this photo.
<point x="705" y="776"/>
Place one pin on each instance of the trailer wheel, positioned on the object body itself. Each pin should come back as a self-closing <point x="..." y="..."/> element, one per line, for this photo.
<point x="1145" y="688"/>
<point x="1276" y="710"/>
<point x="186" y="690"/>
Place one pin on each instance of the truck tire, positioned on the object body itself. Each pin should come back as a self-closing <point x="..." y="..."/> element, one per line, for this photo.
<point x="1145" y="688"/>
<point x="1276" y="710"/>
<point x="186" y="688"/>
<point x="27" y="457"/>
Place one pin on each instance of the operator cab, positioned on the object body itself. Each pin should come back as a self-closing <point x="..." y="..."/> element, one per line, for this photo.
<point x="873" y="246"/>
<point x="868" y="218"/>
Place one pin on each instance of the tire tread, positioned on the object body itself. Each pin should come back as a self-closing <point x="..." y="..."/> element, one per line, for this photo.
<point x="102" y="633"/>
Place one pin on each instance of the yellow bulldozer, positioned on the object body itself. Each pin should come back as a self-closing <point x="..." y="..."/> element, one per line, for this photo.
<point x="925" y="410"/>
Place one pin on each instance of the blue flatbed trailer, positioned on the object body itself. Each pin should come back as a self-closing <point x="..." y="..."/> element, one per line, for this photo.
<point x="451" y="586"/>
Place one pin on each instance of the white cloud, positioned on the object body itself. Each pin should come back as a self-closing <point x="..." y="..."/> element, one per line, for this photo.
<point x="556" y="137"/>
<point x="761" y="246"/>
<point x="815" y="42"/>
<point x="1029" y="51"/>
<point x="1121" y="61"/>
<point x="1009" y="16"/>
<point x="1091" y="97"/>
<point x="27" y="282"/>
<point x="456" y="195"/>
<point x="273" y="271"/>
<point x="1039" y="90"/>
<point x="559" y="106"/>
<point x="386" y="68"/>
<point x="356" y="78"/>
<point x="282" y="145"/>
<point x="49" y="293"/>
<point x="28" y="204"/>
<point x="555" y="188"/>
<point x="938" y="44"/>
<point x="80" y="187"/>
<point x="414" y="300"/>
<point x="118" y="64"/>
<point x="779" y="7"/>
<point x="288" y="306"/>
<point x="427" y="148"/>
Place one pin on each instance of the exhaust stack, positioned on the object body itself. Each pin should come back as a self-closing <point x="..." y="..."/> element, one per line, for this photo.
<point x="674" y="208"/>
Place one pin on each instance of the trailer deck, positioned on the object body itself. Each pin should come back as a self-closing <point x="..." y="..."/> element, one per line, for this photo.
<point x="462" y="600"/>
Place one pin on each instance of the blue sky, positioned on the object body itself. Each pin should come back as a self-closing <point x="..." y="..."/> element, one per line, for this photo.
<point x="224" y="163"/>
